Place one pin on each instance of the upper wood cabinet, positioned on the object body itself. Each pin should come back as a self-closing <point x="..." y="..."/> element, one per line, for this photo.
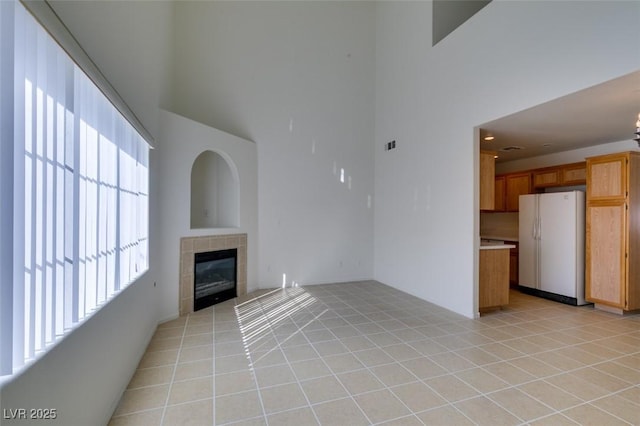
<point x="487" y="174"/>
<point x="574" y="174"/>
<point x="612" y="275"/>
<point x="565" y="175"/>
<point x="607" y="176"/>
<point x="546" y="177"/>
<point x="500" y="194"/>
<point x="509" y="187"/>
<point x="516" y="184"/>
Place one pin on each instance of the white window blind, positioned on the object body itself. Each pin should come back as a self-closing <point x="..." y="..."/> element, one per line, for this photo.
<point x="74" y="191"/>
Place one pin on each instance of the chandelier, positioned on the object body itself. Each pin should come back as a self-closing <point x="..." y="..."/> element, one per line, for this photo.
<point x="637" y="138"/>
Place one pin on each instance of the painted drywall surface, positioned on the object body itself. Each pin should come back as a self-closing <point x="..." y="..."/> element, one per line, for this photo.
<point x="566" y="157"/>
<point x="131" y="44"/>
<point x="298" y="79"/>
<point x="506" y="58"/>
<point x="84" y="375"/>
<point x="182" y="141"/>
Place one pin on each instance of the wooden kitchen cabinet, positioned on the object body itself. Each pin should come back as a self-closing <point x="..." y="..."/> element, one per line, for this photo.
<point x="487" y="177"/>
<point x="612" y="275"/>
<point x="516" y="184"/>
<point x="509" y="187"/>
<point x="564" y="175"/>
<point x="574" y="174"/>
<point x="493" y="278"/>
<point x="543" y="178"/>
<point x="499" y="194"/>
<point x="607" y="177"/>
<point x="513" y="265"/>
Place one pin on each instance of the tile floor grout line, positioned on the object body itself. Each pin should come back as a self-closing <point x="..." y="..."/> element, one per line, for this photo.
<point x="288" y="363"/>
<point x="401" y="319"/>
<point x="481" y="366"/>
<point x="608" y="396"/>
<point x="175" y="368"/>
<point x="321" y="358"/>
<point x="266" y="417"/>
<point x="370" y="371"/>
<point x="213" y="366"/>
<point x="251" y="366"/>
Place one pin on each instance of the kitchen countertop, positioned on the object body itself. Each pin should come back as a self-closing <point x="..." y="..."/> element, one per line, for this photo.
<point x="499" y="237"/>
<point x="496" y="246"/>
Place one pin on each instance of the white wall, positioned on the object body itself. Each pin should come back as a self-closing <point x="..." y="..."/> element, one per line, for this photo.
<point x="510" y="56"/>
<point x="298" y="79"/>
<point x="182" y="141"/>
<point x="131" y="43"/>
<point x="85" y="374"/>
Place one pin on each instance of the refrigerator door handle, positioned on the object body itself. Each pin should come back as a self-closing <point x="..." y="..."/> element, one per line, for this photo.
<point x="536" y="228"/>
<point x="539" y="228"/>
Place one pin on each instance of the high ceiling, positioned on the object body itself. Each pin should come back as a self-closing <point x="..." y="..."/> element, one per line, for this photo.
<point x="600" y="114"/>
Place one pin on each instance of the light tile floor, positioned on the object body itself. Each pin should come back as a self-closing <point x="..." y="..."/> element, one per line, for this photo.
<point x="364" y="353"/>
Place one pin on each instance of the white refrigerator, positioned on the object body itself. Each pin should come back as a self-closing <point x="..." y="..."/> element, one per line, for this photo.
<point x="551" y="245"/>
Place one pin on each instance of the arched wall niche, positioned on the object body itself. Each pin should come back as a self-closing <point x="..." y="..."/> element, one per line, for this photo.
<point x="214" y="192"/>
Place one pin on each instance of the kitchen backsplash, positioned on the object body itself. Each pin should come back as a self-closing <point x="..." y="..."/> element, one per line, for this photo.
<point x="499" y="225"/>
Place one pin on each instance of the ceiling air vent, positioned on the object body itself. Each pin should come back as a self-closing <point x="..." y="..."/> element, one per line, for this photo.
<point x="510" y="148"/>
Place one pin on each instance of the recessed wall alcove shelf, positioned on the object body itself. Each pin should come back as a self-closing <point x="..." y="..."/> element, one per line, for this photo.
<point x="214" y="192"/>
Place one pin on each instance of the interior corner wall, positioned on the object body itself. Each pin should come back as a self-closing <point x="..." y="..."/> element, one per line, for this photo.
<point x="182" y="141"/>
<point x="508" y="57"/>
<point x="298" y="79"/>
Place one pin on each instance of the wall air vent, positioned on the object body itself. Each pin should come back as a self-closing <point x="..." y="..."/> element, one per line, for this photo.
<point x="511" y="148"/>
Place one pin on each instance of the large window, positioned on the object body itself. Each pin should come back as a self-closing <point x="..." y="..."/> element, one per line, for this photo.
<point x="73" y="188"/>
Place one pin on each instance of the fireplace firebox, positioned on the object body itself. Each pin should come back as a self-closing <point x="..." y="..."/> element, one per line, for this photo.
<point x="215" y="275"/>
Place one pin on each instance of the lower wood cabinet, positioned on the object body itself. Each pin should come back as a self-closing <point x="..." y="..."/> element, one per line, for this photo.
<point x="606" y="254"/>
<point x="513" y="265"/>
<point x="493" y="278"/>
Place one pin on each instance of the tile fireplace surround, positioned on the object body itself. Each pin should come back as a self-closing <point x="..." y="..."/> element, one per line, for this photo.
<point x="189" y="246"/>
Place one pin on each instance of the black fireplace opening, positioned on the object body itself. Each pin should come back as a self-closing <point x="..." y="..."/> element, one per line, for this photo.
<point x="214" y="277"/>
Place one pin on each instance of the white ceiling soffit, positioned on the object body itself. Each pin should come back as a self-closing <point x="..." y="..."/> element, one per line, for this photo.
<point x="600" y="114"/>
